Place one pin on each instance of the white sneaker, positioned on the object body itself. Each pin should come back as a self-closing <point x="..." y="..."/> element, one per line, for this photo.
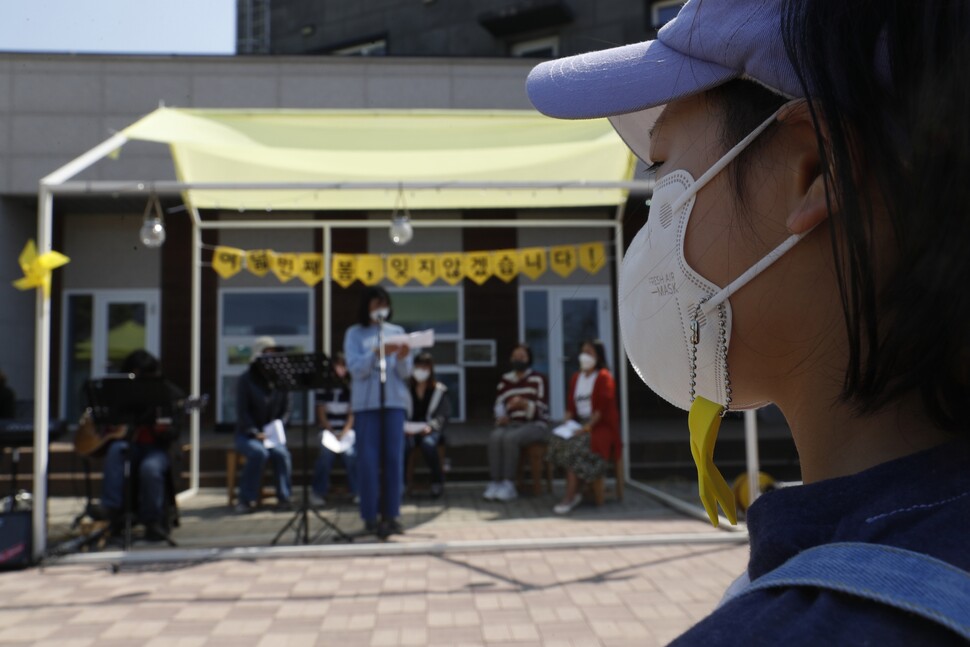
<point x="506" y="492"/>
<point x="316" y="500"/>
<point x="491" y="490"/>
<point x="566" y="508"/>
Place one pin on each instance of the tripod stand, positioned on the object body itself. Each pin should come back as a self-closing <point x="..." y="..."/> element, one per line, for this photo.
<point x="301" y="373"/>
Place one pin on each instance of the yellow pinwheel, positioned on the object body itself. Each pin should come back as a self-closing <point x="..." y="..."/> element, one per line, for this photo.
<point x="704" y="421"/>
<point x="37" y="268"/>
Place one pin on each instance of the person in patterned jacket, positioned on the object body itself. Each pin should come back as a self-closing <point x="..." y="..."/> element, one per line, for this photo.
<point x="521" y="418"/>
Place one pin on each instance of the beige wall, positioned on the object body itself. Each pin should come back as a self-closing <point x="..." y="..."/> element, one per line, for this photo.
<point x="55" y="107"/>
<point x="105" y="252"/>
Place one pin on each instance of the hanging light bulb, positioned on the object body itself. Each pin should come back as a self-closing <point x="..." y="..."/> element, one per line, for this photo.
<point x="152" y="232"/>
<point x="401" y="231"/>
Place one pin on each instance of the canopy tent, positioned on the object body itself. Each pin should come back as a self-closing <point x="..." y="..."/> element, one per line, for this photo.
<point x="341" y="160"/>
<point x="390" y="148"/>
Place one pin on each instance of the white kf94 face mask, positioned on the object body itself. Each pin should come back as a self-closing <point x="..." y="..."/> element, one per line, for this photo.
<point x="676" y="324"/>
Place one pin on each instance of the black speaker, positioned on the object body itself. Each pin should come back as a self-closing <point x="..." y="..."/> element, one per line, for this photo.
<point x="16" y="532"/>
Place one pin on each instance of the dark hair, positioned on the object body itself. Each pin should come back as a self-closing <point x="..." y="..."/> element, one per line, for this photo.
<point x="600" y="349"/>
<point x="141" y="363"/>
<point x="743" y="105"/>
<point x="340" y="358"/>
<point x="889" y="82"/>
<point x="424" y="359"/>
<point x="368" y="295"/>
<point x="528" y="351"/>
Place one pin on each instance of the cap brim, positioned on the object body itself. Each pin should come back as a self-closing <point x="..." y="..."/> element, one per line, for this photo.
<point x="620" y="80"/>
<point x="634" y="129"/>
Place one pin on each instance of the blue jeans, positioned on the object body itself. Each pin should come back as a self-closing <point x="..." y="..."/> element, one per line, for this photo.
<point x="374" y="452"/>
<point x="149" y="464"/>
<point x="429" y="449"/>
<point x="252" y="475"/>
<point x="321" y="471"/>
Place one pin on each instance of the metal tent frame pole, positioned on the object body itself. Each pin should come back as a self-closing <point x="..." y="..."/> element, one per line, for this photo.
<point x="58" y="183"/>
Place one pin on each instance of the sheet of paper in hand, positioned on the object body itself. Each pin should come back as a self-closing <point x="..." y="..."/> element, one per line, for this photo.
<point x="568" y="429"/>
<point x="412" y="428"/>
<point x="275" y="434"/>
<point x="337" y="445"/>
<point x="420" y="339"/>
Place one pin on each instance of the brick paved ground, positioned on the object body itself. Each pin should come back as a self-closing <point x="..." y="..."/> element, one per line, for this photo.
<point x="606" y="595"/>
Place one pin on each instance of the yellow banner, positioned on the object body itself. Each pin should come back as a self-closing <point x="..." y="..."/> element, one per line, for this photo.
<point x="563" y="260"/>
<point x="227" y="261"/>
<point x="425" y="268"/>
<point x="309" y="267"/>
<point x="451" y="268"/>
<point x="505" y="264"/>
<point x="532" y="262"/>
<point x="258" y="261"/>
<point x="370" y="269"/>
<point x="284" y="266"/>
<point x="478" y="266"/>
<point x="592" y="257"/>
<point x="400" y="268"/>
<point x="343" y="268"/>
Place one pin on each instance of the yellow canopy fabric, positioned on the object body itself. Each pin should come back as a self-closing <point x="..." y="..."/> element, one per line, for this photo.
<point x="286" y="146"/>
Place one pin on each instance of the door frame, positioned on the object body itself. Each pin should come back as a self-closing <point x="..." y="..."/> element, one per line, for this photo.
<point x="561" y="370"/>
<point x="101" y="298"/>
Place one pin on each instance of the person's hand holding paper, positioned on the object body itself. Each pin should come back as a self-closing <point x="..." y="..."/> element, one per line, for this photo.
<point x="274" y="434"/>
<point x="420" y="339"/>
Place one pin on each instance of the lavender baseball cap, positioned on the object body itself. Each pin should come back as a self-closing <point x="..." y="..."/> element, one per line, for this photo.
<point x="708" y="43"/>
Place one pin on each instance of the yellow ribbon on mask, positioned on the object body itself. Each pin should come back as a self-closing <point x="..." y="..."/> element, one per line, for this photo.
<point x="37" y="268"/>
<point x="704" y="421"/>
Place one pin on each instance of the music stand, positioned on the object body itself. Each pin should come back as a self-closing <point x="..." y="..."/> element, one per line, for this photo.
<point x="134" y="402"/>
<point x="301" y="373"/>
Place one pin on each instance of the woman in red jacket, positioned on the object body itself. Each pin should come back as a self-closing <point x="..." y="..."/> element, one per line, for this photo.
<point x="589" y="440"/>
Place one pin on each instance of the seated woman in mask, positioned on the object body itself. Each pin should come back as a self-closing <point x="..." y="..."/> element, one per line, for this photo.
<point x="430" y="410"/>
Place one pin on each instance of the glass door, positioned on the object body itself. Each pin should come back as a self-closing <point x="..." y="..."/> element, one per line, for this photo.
<point x="554" y="322"/>
<point x="101" y="328"/>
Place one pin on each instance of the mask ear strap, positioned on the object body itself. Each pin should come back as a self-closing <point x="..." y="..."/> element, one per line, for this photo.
<point x="754" y="271"/>
<point x="724" y="161"/>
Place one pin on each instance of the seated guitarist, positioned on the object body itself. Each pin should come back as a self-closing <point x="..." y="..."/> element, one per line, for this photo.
<point x="150" y="460"/>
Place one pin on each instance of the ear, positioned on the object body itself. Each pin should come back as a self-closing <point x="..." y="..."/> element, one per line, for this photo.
<point x="808" y="185"/>
<point x="812" y="211"/>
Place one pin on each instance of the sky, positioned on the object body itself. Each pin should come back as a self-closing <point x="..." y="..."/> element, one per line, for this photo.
<point x="118" y="26"/>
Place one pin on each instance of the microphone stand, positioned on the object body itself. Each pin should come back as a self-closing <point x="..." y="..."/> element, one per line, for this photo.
<point x="382" y="468"/>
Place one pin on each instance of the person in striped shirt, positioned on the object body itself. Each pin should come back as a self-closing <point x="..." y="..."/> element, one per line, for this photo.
<point x="521" y="418"/>
<point x="333" y="413"/>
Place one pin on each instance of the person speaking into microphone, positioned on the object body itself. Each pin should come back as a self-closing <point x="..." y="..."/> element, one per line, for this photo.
<point x="379" y="400"/>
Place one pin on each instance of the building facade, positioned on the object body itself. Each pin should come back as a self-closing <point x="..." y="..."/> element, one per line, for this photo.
<point x="465" y="28"/>
<point x="117" y="294"/>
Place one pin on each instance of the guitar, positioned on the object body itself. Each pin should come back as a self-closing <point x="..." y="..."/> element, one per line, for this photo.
<point x="89" y="442"/>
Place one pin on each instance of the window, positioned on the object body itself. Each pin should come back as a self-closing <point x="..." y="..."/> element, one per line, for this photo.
<point x="247" y="313"/>
<point x="375" y="47"/>
<point x="478" y="352"/>
<point x="547" y="47"/>
<point x="664" y="11"/>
